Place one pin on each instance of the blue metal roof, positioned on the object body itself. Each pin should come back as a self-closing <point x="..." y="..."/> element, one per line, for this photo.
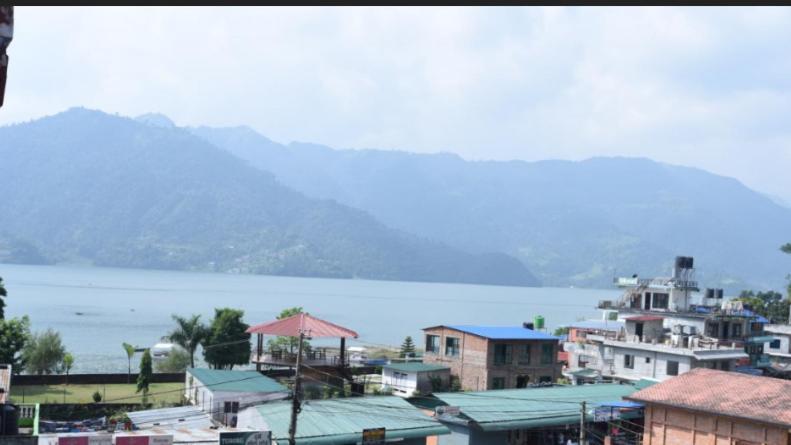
<point x="503" y="332"/>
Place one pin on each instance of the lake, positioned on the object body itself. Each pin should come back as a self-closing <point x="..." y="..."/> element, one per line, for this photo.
<point x="96" y="309"/>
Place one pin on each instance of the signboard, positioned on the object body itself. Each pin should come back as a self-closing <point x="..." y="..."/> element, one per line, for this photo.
<point x="606" y="413"/>
<point x="87" y="439"/>
<point x="448" y="410"/>
<point x="246" y="438"/>
<point x="374" y="436"/>
<point x="154" y="439"/>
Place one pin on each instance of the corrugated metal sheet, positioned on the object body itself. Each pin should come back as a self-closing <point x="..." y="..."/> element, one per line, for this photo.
<point x="189" y="417"/>
<point x="509" y="409"/>
<point x="236" y="381"/>
<point x="310" y="325"/>
<point x="503" y="332"/>
<point x="342" y="421"/>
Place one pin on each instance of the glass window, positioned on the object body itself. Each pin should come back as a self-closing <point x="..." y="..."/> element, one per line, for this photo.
<point x="628" y="361"/>
<point x="672" y="367"/>
<point x="452" y="346"/>
<point x="498" y="383"/>
<point x="547" y="354"/>
<point x="545" y="379"/>
<point x="432" y="344"/>
<point x="648" y="359"/>
<point x="737" y="330"/>
<point x="522" y="381"/>
<point x="524" y="355"/>
<point x="660" y="300"/>
<point x="775" y="344"/>
<point x="502" y="354"/>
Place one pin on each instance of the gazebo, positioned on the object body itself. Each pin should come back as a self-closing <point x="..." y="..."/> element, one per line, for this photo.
<point x="293" y="326"/>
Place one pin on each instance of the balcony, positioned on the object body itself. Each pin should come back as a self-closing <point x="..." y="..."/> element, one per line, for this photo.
<point x="314" y="357"/>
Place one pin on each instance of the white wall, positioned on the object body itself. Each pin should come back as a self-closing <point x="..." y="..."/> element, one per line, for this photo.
<point x="212" y="402"/>
<point x="656" y="368"/>
<point x="403" y="384"/>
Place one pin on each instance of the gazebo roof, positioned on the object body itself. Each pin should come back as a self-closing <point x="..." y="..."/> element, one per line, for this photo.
<point x="302" y="322"/>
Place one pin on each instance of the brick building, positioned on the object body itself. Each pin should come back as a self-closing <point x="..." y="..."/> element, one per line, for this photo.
<point x="711" y="407"/>
<point x="493" y="357"/>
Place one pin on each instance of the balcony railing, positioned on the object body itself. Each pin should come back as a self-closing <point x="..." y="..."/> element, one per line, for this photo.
<point x="314" y="357"/>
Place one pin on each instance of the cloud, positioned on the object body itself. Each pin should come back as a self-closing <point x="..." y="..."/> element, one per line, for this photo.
<point x="707" y="87"/>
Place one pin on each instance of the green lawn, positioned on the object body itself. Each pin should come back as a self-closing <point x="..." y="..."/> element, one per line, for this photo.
<point x="111" y="393"/>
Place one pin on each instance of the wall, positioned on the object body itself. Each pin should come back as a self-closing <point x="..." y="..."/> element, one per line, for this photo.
<point x="213" y="402"/>
<point x="535" y="370"/>
<point x="674" y="426"/>
<point x="656" y="369"/>
<point x="401" y="386"/>
<point x="87" y="379"/>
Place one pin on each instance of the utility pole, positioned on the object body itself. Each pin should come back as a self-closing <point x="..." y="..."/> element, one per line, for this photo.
<point x="295" y="400"/>
<point x="583" y="439"/>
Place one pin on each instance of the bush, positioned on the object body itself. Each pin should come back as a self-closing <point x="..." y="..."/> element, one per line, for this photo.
<point x="97" y="397"/>
<point x="177" y="361"/>
<point x="25" y="423"/>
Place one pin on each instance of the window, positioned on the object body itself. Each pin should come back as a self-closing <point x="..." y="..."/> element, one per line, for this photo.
<point x="498" y="383"/>
<point x="502" y="354"/>
<point x="545" y="379"/>
<point x="628" y="361"/>
<point x="672" y="367"/>
<point x="713" y="330"/>
<point x="452" y="346"/>
<point x="737" y="330"/>
<point x="648" y="359"/>
<point x="775" y="344"/>
<point x="522" y="381"/>
<point x="524" y="355"/>
<point x="547" y="354"/>
<point x="432" y="344"/>
<point x="660" y="300"/>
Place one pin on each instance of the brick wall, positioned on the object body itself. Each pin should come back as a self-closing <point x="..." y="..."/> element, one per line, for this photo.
<point x="674" y="426"/>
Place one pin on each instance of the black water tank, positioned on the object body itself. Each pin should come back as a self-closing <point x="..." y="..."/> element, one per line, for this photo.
<point x="718" y="293"/>
<point x="10" y="420"/>
<point x="690" y="262"/>
<point x="680" y="261"/>
<point x="709" y="292"/>
<point x="528" y="325"/>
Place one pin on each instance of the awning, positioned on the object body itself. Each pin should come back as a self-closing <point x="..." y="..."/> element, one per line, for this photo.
<point x="302" y="323"/>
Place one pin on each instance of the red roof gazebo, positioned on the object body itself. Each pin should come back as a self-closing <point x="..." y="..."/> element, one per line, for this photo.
<point x="293" y="326"/>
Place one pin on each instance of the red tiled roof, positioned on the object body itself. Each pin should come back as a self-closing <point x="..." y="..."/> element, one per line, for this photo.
<point x="310" y="325"/>
<point x="645" y="318"/>
<point x="762" y="399"/>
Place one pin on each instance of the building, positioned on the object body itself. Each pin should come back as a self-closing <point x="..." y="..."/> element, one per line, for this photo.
<point x="222" y="393"/>
<point x="538" y="416"/>
<point x="779" y="346"/>
<point x="639" y="348"/>
<point x="406" y="378"/>
<point x="706" y="406"/>
<point x="493" y="357"/>
<point x="342" y="421"/>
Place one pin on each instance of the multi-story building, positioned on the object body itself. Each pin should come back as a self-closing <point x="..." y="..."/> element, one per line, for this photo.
<point x="493" y="357"/>
<point x="779" y="345"/>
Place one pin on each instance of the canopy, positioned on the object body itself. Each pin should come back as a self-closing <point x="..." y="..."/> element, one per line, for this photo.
<point x="294" y="325"/>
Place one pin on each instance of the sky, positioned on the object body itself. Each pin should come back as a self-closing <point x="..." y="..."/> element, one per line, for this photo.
<point x="703" y="87"/>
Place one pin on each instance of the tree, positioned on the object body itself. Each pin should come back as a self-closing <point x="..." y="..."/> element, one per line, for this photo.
<point x="786" y="248"/>
<point x="130" y="352"/>
<point x="43" y="353"/>
<point x="228" y="343"/>
<point x="68" y="362"/>
<point x="3" y="294"/>
<point x="563" y="330"/>
<point x="177" y="361"/>
<point x="769" y="304"/>
<point x="189" y="334"/>
<point x="290" y="343"/>
<point x="144" y="376"/>
<point x="407" y="348"/>
<point x="14" y="335"/>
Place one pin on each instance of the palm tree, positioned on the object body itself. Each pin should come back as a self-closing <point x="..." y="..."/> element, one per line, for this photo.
<point x="3" y="294"/>
<point x="130" y="352"/>
<point x="189" y="333"/>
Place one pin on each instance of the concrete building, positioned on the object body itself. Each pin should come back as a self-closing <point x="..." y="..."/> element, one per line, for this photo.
<point x="406" y="378"/>
<point x="710" y="407"/>
<point x="222" y="393"/>
<point x="493" y="357"/>
<point x="342" y="421"/>
<point x="536" y="416"/>
<point x="642" y="350"/>
<point x="779" y="346"/>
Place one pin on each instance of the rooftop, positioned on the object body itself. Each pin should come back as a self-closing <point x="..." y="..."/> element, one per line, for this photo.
<point x="719" y="353"/>
<point x="784" y="329"/>
<point x="302" y="322"/>
<point x="415" y="367"/>
<point x="500" y="332"/>
<point x="601" y="325"/>
<point x="645" y="318"/>
<point x="189" y="417"/>
<point x="509" y="409"/>
<point x="762" y="399"/>
<point x="235" y="381"/>
<point x="334" y="421"/>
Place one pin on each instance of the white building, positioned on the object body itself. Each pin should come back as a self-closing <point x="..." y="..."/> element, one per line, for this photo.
<point x="406" y="378"/>
<point x="222" y="393"/>
<point x="779" y="347"/>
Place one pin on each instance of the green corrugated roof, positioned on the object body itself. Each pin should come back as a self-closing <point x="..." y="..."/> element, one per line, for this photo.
<point x="342" y="421"/>
<point x="415" y="367"/>
<point x="236" y="381"/>
<point x="509" y="409"/>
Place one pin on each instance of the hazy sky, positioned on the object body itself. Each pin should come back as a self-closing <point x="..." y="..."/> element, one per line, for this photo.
<point x="706" y="87"/>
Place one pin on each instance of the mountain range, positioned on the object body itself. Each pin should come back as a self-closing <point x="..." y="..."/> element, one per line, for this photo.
<point x="88" y="186"/>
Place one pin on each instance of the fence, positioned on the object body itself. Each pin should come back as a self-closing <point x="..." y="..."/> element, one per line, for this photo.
<point x="88" y="379"/>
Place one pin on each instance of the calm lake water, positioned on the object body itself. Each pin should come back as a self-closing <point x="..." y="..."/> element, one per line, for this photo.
<point x="96" y="309"/>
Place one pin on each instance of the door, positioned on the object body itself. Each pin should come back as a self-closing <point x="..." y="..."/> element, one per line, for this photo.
<point x="647" y="303"/>
<point x="638" y="330"/>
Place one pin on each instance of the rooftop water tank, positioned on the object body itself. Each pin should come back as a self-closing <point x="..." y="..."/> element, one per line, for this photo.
<point x="538" y="321"/>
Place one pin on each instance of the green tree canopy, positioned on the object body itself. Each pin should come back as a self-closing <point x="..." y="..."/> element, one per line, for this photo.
<point x="563" y="330"/>
<point x="14" y="335"/>
<point x="68" y="362"/>
<point x="786" y="248"/>
<point x="177" y="361"/>
<point x="3" y="294"/>
<point x="407" y="348"/>
<point x="44" y="352"/>
<point x="144" y="376"/>
<point x="769" y="304"/>
<point x="288" y="343"/>
<point x="228" y="343"/>
<point x="189" y="334"/>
